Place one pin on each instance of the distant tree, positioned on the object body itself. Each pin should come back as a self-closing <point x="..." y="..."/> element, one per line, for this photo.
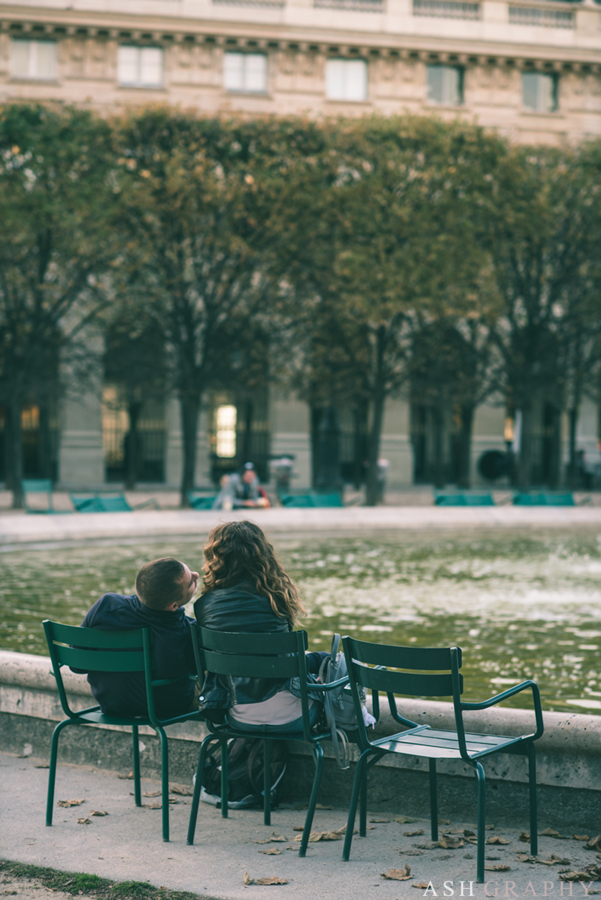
<point x="55" y="245"/>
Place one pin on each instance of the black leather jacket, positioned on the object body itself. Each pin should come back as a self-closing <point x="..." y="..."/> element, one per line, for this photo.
<point x="240" y="609"/>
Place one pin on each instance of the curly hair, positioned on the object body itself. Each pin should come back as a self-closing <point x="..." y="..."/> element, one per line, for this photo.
<point x="239" y="551"/>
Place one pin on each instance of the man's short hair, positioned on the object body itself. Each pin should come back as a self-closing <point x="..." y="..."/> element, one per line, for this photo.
<point x="160" y="583"/>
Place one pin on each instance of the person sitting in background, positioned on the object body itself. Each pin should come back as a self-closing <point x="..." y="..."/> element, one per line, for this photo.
<point x="238" y="492"/>
<point x="244" y="589"/>
<point x="163" y="587"/>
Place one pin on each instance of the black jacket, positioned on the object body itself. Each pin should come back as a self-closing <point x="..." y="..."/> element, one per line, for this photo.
<point x="240" y="609"/>
<point x="123" y="693"/>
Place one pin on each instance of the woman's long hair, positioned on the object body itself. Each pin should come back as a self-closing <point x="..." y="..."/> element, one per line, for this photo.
<point x="239" y="551"/>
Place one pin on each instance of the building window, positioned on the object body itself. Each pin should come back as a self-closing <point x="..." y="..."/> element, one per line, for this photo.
<point x="33" y="59"/>
<point x="445" y="85"/>
<point x="539" y="92"/>
<point x="346" y="79"/>
<point x="140" y="67"/>
<point x="245" y="72"/>
<point x="225" y="417"/>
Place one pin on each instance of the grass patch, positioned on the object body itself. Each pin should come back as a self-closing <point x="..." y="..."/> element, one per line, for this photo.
<point x="77" y="883"/>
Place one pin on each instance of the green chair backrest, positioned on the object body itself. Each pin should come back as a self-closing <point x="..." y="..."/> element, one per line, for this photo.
<point x="463" y="499"/>
<point x="92" y="503"/>
<point x="36" y="485"/>
<point x="543" y="498"/>
<point x="92" y="650"/>
<point x="428" y="671"/>
<point x="250" y="655"/>
<point x="201" y="501"/>
<point x="327" y="500"/>
<point x="118" y="503"/>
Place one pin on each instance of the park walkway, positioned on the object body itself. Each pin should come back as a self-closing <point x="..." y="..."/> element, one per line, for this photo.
<point x="126" y="845"/>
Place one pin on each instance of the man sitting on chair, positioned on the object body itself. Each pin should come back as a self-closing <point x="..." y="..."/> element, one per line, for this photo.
<point x="163" y="587"/>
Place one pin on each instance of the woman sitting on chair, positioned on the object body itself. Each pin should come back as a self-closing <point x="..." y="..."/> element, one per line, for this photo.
<point x="244" y="589"/>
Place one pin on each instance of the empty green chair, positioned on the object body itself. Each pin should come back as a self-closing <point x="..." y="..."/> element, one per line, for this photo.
<point x="258" y="656"/>
<point x="312" y="501"/>
<point x="117" y="502"/>
<point x="430" y="672"/>
<point x="201" y="501"/>
<point x="38" y="486"/>
<point x="91" y="650"/>
<point x="464" y="499"/>
<point x="542" y="498"/>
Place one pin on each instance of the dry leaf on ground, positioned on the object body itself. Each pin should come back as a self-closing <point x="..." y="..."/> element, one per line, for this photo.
<point x="84" y="821"/>
<point x="449" y="843"/>
<point x="581" y="837"/>
<point x="343" y="830"/>
<point x="551" y="832"/>
<point x="274" y="879"/>
<point x="152" y="805"/>
<point x="379" y="821"/>
<point x="42" y="766"/>
<point x="68" y="803"/>
<point x="501" y="867"/>
<point x="524" y="857"/>
<point x="152" y="793"/>
<point x="414" y="833"/>
<point x="489" y="827"/>
<point x="181" y="789"/>
<point x="404" y="820"/>
<point x="99" y="812"/>
<point x="594" y="843"/>
<point x="322" y="806"/>
<point x="574" y="876"/>
<point x="444" y="821"/>
<point x="497" y="840"/>
<point x="398" y="874"/>
<point x="525" y="837"/>
<point x="554" y="861"/>
<point x="273" y="851"/>
<point x="298" y="828"/>
<point x="129" y="775"/>
<point x="421" y="885"/>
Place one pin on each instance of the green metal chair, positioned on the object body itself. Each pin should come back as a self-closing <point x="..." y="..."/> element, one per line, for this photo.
<point x="542" y="498"/>
<point x="258" y="656"/>
<point x="312" y="501"/>
<point x="427" y="675"/>
<point x="89" y="649"/>
<point x="201" y="501"/>
<point x="118" y="502"/>
<point x="39" y="486"/>
<point x="464" y="499"/>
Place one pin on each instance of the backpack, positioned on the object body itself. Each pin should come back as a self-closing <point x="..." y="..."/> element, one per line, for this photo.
<point x="245" y="772"/>
<point x="338" y="704"/>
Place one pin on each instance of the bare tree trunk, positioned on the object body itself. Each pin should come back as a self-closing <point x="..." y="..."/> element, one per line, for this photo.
<point x="15" y="451"/>
<point x="190" y="410"/>
<point x="247" y="449"/>
<point x="439" y="460"/>
<point x="359" y="460"/>
<point x="45" y="440"/>
<point x="316" y="414"/>
<point x="572" y="461"/>
<point x="133" y="436"/>
<point x="524" y="462"/>
<point x="554" y="475"/>
<point x="465" y="446"/>
<point x="372" y="488"/>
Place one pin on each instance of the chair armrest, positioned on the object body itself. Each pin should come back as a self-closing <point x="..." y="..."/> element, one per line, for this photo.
<point x="510" y="692"/>
<point x="328" y="687"/>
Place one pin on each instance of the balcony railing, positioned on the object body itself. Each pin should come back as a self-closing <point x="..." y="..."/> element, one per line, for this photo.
<point x="446" y="9"/>
<point x="361" y="5"/>
<point x="548" y="18"/>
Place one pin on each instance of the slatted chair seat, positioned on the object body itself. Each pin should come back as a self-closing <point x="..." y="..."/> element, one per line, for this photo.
<point x="430" y="672"/>
<point x="92" y="650"/>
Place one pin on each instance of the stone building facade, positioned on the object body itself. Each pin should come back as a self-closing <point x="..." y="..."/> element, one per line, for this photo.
<point x="531" y="69"/>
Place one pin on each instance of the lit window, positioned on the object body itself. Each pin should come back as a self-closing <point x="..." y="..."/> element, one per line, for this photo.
<point x="346" y="79"/>
<point x="33" y="59"/>
<point x="140" y="66"/>
<point x="245" y="72"/>
<point x="445" y="85"/>
<point x="226" y="431"/>
<point x="539" y="92"/>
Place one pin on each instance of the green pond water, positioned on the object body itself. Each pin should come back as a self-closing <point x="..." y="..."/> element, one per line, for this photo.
<point x="520" y="605"/>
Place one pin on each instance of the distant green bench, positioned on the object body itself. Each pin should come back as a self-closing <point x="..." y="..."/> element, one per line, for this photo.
<point x="201" y="501"/>
<point x="464" y="499"/>
<point x="94" y="503"/>
<point x="311" y="501"/>
<point x="542" y="498"/>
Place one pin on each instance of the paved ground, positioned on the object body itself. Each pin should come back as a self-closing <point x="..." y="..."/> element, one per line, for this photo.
<point x="126" y="845"/>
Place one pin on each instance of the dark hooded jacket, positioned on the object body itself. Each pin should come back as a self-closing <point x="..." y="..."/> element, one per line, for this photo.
<point x="241" y="609"/>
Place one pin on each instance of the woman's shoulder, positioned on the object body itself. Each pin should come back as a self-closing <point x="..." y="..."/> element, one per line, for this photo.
<point x="237" y="608"/>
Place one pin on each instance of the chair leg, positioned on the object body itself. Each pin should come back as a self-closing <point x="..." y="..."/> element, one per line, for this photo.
<point x="136" y="758"/>
<point x="481" y="822"/>
<point x="531" y="751"/>
<point x="363" y="803"/>
<point x="318" y="759"/>
<point x="433" y="800"/>
<point x="164" y="780"/>
<point x="267" y="782"/>
<point x="224" y="780"/>
<point x="198" y="785"/>
<point x="52" y="769"/>
<point x="360" y="779"/>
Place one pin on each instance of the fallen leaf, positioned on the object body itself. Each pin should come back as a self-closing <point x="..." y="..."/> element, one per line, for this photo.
<point x="427" y="846"/>
<point x="152" y="793"/>
<point x="379" y="821"/>
<point x="550" y="832"/>
<point x="497" y="840"/>
<point x="99" y="812"/>
<point x="273" y="851"/>
<point x="414" y="833"/>
<point x="42" y="766"/>
<point x="152" y="805"/>
<point x="448" y="843"/>
<point x="410" y="852"/>
<point x="524" y="857"/>
<point x="574" y="876"/>
<point x="489" y="827"/>
<point x="278" y="838"/>
<point x="68" y="803"/>
<point x="524" y="837"/>
<point x="84" y="821"/>
<point x="554" y="861"/>
<point x="343" y="830"/>
<point x="444" y="821"/>
<point x="404" y="820"/>
<point x="467" y="833"/>
<point x="594" y="843"/>
<point x="181" y="789"/>
<point x="129" y="775"/>
<point x="322" y="806"/>
<point x="421" y="885"/>
<point x="273" y="880"/>
<point x="498" y="868"/>
<point x="247" y="879"/>
<point x="298" y="828"/>
<point x="397" y="874"/>
<point x="581" y="837"/>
